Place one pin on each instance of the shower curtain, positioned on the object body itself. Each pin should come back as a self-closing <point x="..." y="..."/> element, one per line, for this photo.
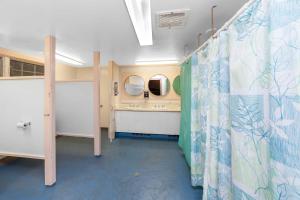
<point x="245" y="132"/>
<point x="185" y="119"/>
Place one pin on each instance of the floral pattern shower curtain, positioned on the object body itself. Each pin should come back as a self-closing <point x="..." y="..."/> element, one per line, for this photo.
<point x="245" y="140"/>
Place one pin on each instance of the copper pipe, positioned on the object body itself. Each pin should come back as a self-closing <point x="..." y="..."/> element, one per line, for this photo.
<point x="186" y="48"/>
<point x="212" y="21"/>
<point x="199" y="39"/>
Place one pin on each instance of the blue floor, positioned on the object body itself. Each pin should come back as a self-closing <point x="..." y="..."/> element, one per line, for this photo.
<point x="129" y="169"/>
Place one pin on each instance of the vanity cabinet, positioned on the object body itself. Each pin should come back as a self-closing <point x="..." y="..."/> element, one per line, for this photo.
<point x="147" y="122"/>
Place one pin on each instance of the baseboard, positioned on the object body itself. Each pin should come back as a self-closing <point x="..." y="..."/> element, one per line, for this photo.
<point x="22" y="155"/>
<point x="80" y="135"/>
<point x="147" y="136"/>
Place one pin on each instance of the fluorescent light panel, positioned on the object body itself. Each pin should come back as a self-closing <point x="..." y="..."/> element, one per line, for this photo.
<point x="68" y="59"/>
<point x="157" y="62"/>
<point x="140" y="14"/>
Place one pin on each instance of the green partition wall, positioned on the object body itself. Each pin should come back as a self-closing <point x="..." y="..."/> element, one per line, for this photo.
<point x="185" y="122"/>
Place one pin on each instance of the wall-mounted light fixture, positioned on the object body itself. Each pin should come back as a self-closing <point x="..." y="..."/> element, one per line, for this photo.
<point x="156" y="62"/>
<point x="68" y="59"/>
<point x="140" y="14"/>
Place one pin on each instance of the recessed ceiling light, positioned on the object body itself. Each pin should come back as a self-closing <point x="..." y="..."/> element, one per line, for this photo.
<point x="156" y="62"/>
<point x="68" y="59"/>
<point x="140" y="14"/>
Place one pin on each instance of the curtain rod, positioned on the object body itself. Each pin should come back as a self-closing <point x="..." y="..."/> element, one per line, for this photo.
<point x="224" y="27"/>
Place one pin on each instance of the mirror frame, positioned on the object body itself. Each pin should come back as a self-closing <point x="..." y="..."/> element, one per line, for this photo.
<point x="124" y="85"/>
<point x="168" y="91"/>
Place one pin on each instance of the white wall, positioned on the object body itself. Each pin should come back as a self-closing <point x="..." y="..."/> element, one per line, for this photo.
<point x="74" y="108"/>
<point x="22" y="100"/>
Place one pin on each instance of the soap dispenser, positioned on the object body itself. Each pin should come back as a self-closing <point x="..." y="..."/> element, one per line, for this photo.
<point x="146" y="95"/>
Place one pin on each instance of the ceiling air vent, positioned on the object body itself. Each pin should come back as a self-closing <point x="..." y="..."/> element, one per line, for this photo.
<point x="174" y="18"/>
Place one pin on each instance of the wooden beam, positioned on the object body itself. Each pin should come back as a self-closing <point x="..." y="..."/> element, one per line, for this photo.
<point x="49" y="116"/>
<point x="6" y="66"/>
<point x="97" y="130"/>
<point x="21" y="57"/>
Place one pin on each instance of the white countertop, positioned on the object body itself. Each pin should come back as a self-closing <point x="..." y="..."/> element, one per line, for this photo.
<point x="148" y="107"/>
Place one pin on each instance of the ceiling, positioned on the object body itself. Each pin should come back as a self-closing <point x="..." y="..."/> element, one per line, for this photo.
<point x="82" y="26"/>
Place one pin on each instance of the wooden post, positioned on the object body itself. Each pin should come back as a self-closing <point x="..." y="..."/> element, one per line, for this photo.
<point x="49" y="116"/>
<point x="115" y="97"/>
<point x="111" y="102"/>
<point x="6" y="66"/>
<point x="97" y="130"/>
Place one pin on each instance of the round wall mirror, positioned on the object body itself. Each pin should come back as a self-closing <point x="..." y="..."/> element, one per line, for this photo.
<point x="134" y="85"/>
<point x="159" y="85"/>
<point x="176" y="85"/>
